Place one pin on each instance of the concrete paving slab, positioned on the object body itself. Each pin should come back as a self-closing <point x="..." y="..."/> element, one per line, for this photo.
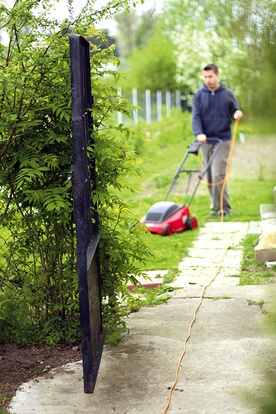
<point x="254" y="227"/>
<point x="146" y="283"/>
<point x="239" y="228"/>
<point x="188" y="288"/>
<point x="207" y="271"/>
<point x="216" y="245"/>
<point x="200" y="253"/>
<point x="135" y="376"/>
<point x="224" y="353"/>
<point x="203" y="262"/>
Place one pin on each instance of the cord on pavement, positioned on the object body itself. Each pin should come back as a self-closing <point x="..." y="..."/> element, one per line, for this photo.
<point x="215" y="275"/>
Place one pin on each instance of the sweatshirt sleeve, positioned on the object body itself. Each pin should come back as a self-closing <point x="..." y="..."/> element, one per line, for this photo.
<point x="196" y="117"/>
<point x="234" y="104"/>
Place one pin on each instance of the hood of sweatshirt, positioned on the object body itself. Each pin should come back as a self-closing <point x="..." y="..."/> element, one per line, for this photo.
<point x="212" y="112"/>
<point x="220" y="88"/>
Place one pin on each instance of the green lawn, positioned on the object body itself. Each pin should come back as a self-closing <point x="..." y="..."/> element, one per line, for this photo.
<point x="160" y="156"/>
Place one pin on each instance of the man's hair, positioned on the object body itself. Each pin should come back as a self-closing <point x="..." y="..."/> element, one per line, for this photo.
<point x="213" y="67"/>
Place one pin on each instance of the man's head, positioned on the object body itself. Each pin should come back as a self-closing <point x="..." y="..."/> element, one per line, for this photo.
<point x="211" y="76"/>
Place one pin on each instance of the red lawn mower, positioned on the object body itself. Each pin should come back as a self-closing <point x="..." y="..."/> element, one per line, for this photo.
<point x="166" y="217"/>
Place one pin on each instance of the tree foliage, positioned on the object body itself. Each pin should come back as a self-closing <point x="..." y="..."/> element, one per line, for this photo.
<point x="238" y="35"/>
<point x="147" y="54"/>
<point x="154" y="66"/>
<point x="127" y="25"/>
<point x="133" y="30"/>
<point x="39" y="287"/>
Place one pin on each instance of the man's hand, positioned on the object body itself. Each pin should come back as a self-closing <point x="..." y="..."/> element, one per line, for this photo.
<point x="238" y="114"/>
<point x="201" y="138"/>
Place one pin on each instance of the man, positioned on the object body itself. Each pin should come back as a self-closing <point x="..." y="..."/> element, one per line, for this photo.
<point x="214" y="108"/>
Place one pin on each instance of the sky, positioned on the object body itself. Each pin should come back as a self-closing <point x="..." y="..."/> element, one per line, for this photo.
<point x="60" y="11"/>
<point x="148" y="4"/>
<point x="109" y="24"/>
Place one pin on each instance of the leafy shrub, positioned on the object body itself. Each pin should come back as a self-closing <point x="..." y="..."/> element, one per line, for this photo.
<point x="39" y="285"/>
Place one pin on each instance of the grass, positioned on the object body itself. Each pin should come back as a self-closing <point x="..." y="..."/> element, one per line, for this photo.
<point x="168" y="251"/>
<point x="149" y="297"/>
<point x="160" y="155"/>
<point x="253" y="302"/>
<point x="161" y="161"/>
<point x="258" y="126"/>
<point x="221" y="297"/>
<point x="252" y="271"/>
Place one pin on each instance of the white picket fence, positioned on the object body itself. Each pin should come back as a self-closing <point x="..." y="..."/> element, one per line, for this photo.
<point x="154" y="105"/>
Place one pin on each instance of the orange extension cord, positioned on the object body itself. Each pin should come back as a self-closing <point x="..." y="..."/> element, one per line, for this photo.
<point x="214" y="277"/>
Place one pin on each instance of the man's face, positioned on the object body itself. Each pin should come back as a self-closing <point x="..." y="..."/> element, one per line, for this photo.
<point x="211" y="79"/>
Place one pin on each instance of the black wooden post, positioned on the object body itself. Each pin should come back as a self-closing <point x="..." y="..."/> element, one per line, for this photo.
<point x="87" y="233"/>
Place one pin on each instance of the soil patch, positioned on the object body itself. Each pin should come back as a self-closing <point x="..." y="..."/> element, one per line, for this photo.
<point x="253" y="159"/>
<point x="19" y="364"/>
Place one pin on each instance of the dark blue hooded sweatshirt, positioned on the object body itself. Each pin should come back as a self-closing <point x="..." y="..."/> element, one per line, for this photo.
<point x="213" y="112"/>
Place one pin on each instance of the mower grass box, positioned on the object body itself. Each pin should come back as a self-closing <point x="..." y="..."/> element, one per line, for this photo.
<point x="167" y="217"/>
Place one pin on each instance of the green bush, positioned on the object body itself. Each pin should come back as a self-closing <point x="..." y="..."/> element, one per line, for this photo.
<point x="38" y="280"/>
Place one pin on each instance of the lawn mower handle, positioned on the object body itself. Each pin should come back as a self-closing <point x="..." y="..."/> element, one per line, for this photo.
<point x="218" y="145"/>
<point x="207" y="166"/>
<point x="193" y="148"/>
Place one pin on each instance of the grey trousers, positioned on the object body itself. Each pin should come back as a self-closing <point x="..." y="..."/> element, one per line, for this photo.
<point x="216" y="174"/>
